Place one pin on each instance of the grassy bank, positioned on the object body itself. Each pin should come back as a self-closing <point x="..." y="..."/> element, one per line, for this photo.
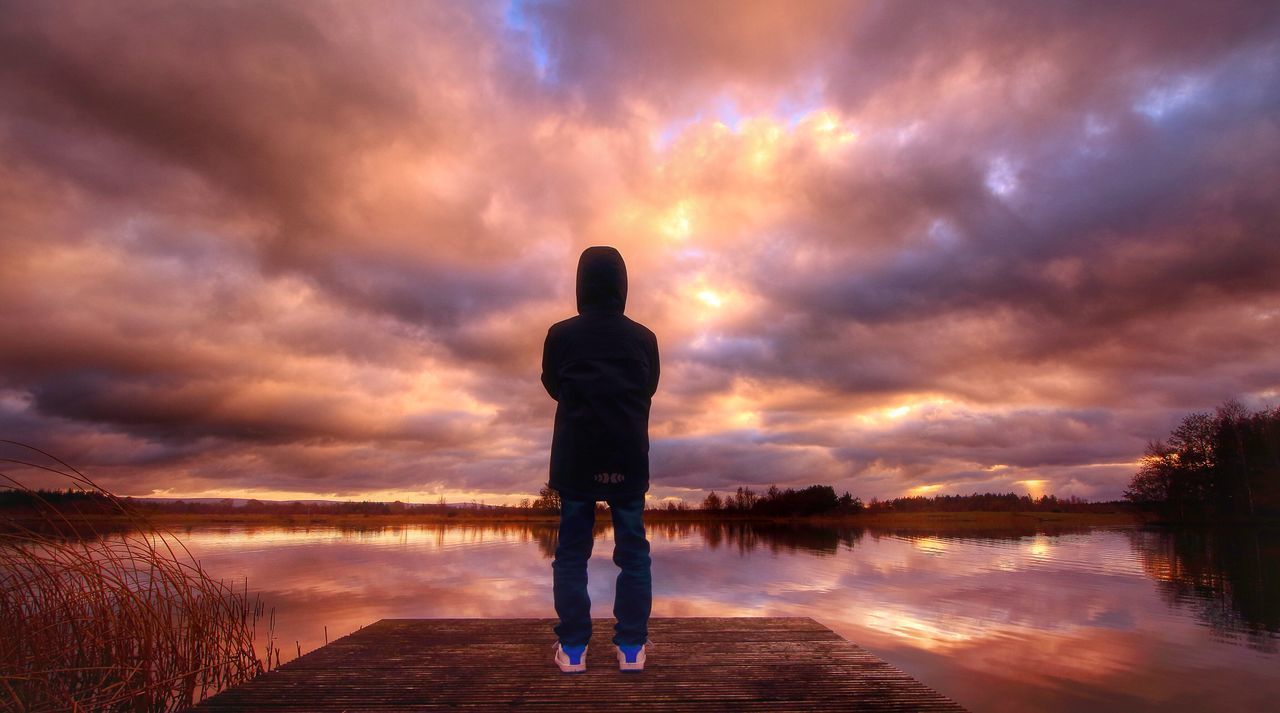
<point x="129" y="623"/>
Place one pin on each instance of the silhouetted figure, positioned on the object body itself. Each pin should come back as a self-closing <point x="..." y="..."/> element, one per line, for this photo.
<point x="602" y="369"/>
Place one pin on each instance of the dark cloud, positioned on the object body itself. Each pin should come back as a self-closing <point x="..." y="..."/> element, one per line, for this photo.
<point x="898" y="247"/>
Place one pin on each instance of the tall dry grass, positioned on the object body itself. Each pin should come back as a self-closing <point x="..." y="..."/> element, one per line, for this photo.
<point x="122" y="621"/>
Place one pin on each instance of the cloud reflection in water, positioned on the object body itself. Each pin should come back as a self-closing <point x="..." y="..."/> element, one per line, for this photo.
<point x="1103" y="620"/>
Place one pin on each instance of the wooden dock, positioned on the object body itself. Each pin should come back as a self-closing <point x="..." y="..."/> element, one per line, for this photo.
<point x="696" y="663"/>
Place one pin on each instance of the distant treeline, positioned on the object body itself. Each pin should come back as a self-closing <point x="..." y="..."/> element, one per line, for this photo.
<point x="822" y="500"/>
<point x="991" y="502"/>
<point x="813" y="500"/>
<point x="87" y="501"/>
<point x="1219" y="466"/>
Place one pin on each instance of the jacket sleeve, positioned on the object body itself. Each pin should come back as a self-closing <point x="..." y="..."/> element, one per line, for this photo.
<point x="654" y="368"/>
<point x="550" y="374"/>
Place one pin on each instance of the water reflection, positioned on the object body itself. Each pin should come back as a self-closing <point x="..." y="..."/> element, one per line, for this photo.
<point x="1002" y="621"/>
<point x="1228" y="578"/>
<point x="746" y="538"/>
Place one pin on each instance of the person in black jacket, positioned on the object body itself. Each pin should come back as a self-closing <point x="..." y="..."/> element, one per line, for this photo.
<point x="601" y="367"/>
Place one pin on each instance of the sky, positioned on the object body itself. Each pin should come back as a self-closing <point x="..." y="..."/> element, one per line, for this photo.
<point x="311" y="250"/>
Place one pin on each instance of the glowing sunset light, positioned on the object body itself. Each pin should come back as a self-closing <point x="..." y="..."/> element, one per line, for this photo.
<point x="710" y="298"/>
<point x="1039" y="547"/>
<point x="830" y="133"/>
<point x="678" y="224"/>
<point x="930" y="545"/>
<point x="735" y="410"/>
<point x="1035" y="487"/>
<point x="826" y="123"/>
<point x="927" y="406"/>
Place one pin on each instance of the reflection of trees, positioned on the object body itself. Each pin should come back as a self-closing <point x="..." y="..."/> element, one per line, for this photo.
<point x="547" y="537"/>
<point x="1014" y="531"/>
<point x="1228" y="577"/>
<point x="776" y="537"/>
<point x="744" y="536"/>
<point x="478" y="533"/>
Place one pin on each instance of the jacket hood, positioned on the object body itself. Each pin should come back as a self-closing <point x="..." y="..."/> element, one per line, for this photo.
<point x="602" y="280"/>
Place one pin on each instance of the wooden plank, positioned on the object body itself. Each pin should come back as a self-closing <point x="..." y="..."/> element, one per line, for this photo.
<point x="697" y="663"/>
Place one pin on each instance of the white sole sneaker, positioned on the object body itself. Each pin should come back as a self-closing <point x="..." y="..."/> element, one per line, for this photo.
<point x="624" y="665"/>
<point x="562" y="660"/>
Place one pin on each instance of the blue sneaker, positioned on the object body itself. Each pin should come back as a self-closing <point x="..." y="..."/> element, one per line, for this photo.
<point x="631" y="657"/>
<point x="571" y="659"/>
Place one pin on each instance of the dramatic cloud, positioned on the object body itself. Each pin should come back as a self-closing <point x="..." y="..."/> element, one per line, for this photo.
<point x="311" y="249"/>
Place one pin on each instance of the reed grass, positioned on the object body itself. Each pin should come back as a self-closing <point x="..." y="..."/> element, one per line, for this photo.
<point x="126" y="621"/>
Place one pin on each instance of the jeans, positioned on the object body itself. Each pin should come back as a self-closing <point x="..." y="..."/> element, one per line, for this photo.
<point x="634" y="596"/>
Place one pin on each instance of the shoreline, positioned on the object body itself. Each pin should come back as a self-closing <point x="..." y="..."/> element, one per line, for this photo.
<point x="963" y="520"/>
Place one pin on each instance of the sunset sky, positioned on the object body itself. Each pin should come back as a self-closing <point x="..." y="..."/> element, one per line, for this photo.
<point x="311" y="250"/>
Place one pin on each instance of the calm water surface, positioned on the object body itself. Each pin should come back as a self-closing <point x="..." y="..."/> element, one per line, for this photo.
<point x="1093" y="620"/>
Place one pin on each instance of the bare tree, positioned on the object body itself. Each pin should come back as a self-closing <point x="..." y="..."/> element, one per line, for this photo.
<point x="1232" y="417"/>
<point x="548" y="499"/>
<point x="712" y="502"/>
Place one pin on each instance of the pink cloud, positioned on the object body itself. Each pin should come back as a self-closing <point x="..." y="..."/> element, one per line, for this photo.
<point x="314" y="248"/>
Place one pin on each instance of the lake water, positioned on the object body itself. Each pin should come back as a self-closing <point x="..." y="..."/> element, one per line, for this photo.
<point x="1091" y="620"/>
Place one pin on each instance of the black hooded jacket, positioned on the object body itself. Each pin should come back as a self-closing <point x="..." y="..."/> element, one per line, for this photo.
<point x="602" y="369"/>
